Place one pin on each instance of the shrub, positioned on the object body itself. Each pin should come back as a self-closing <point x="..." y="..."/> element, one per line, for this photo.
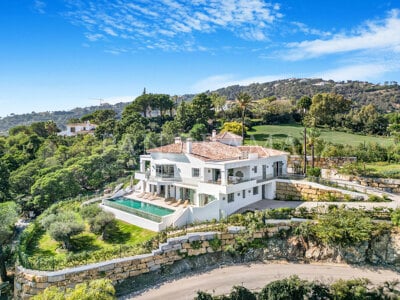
<point x="344" y="227"/>
<point x="90" y="211"/>
<point x="100" y="289"/>
<point x="314" y="172"/>
<point x="215" y="244"/>
<point x="195" y="244"/>
<point x="395" y="217"/>
<point x="240" y="292"/>
<point x="203" y="296"/>
<point x="289" y="288"/>
<point x="350" y="289"/>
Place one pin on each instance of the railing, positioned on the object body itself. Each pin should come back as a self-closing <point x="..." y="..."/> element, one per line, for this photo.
<point x="134" y="211"/>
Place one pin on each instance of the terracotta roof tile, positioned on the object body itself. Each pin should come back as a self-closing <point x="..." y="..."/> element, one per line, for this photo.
<point x="216" y="150"/>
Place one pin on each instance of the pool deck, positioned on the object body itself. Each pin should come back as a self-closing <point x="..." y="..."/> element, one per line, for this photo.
<point x="159" y="201"/>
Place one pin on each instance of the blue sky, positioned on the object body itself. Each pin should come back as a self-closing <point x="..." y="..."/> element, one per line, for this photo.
<point x="60" y="54"/>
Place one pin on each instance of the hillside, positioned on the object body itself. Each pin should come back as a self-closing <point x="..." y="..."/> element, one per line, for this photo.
<point x="60" y="117"/>
<point x="385" y="97"/>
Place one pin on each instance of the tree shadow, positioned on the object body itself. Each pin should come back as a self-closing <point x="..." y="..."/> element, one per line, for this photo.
<point x="84" y="242"/>
<point x="261" y="136"/>
<point x="280" y="135"/>
<point x="116" y="236"/>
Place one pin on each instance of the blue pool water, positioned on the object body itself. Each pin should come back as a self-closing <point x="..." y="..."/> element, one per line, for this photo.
<point x="145" y="207"/>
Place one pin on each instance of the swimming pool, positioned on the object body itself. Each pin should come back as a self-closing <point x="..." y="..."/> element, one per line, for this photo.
<point x="139" y="208"/>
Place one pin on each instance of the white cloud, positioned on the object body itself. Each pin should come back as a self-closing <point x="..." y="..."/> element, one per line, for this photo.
<point x="364" y="72"/>
<point x="39" y="6"/>
<point x="299" y="26"/>
<point x="223" y="80"/>
<point x="145" y="22"/>
<point x="374" y="35"/>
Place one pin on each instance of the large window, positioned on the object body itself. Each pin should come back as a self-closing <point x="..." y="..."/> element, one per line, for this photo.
<point x="231" y="197"/>
<point x="195" y="172"/>
<point x="255" y="190"/>
<point x="166" y="171"/>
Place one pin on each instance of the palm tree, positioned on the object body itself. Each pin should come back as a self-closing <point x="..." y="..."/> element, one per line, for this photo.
<point x="313" y="137"/>
<point x="243" y="100"/>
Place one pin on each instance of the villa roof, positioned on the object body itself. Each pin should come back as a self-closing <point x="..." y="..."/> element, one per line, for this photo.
<point x="227" y="136"/>
<point x="81" y="124"/>
<point x="215" y="150"/>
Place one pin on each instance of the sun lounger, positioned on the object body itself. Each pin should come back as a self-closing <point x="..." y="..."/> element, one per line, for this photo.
<point x="186" y="203"/>
<point x="178" y="202"/>
<point x="147" y="195"/>
<point x="140" y="195"/>
<point x="170" y="199"/>
<point x="153" y="196"/>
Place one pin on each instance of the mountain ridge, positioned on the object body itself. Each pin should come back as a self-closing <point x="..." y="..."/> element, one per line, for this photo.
<point x="386" y="97"/>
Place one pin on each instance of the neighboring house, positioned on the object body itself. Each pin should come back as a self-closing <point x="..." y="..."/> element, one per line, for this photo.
<point x="227" y="138"/>
<point x="78" y="128"/>
<point x="217" y="178"/>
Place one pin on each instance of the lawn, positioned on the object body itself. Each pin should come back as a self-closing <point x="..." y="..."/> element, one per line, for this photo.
<point x="45" y="253"/>
<point x="265" y="135"/>
<point x="383" y="169"/>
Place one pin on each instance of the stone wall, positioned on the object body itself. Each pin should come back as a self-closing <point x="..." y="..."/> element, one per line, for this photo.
<point x="296" y="162"/>
<point x="384" y="184"/>
<point x="199" y="250"/>
<point x="296" y="191"/>
<point x="31" y="282"/>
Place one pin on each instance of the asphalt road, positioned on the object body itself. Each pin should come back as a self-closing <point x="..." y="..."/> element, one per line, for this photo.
<point x="256" y="276"/>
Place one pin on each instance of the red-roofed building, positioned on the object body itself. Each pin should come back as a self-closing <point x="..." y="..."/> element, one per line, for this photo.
<point x="216" y="178"/>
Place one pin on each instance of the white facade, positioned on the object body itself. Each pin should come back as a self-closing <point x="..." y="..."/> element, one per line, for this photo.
<point x="79" y="128"/>
<point x="215" y="187"/>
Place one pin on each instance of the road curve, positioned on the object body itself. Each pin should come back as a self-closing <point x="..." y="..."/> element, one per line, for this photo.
<point x="255" y="276"/>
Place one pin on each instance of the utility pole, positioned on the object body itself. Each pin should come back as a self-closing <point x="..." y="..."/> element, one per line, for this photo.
<point x="305" y="150"/>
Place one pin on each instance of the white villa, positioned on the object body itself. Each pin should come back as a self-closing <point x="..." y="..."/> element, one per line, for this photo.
<point x="74" y="129"/>
<point x="206" y="180"/>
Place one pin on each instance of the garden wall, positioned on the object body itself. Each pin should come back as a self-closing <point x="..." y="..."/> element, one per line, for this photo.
<point x="310" y="191"/>
<point x="385" y="184"/>
<point x="198" y="250"/>
<point x="296" y="162"/>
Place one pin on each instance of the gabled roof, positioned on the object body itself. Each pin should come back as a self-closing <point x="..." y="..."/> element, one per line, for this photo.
<point x="215" y="150"/>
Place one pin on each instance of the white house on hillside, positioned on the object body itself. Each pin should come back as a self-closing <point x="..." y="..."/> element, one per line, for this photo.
<point x="78" y="128"/>
<point x="217" y="178"/>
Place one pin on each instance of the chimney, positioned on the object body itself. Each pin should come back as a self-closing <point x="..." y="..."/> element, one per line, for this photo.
<point x="213" y="135"/>
<point x="189" y="145"/>
<point x="178" y="140"/>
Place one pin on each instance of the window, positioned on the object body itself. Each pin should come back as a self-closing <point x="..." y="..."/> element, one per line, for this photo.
<point x="244" y="194"/>
<point x="255" y="190"/>
<point x="255" y="169"/>
<point x="231" y="197"/>
<point x="195" y="172"/>
<point x="165" y="171"/>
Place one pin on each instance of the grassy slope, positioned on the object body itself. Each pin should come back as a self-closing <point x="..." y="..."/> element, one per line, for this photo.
<point x="265" y="134"/>
<point x="127" y="234"/>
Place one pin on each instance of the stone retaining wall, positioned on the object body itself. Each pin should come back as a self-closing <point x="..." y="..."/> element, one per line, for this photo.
<point x="31" y="282"/>
<point x="385" y="184"/>
<point x="296" y="191"/>
<point x="197" y="250"/>
<point x="297" y="162"/>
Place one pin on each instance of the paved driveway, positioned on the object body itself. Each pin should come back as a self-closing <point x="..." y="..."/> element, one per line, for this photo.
<point x="256" y="276"/>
